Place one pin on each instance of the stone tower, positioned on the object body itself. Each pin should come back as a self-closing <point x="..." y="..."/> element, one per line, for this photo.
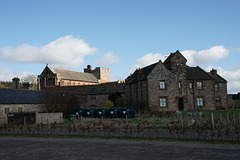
<point x="102" y="74"/>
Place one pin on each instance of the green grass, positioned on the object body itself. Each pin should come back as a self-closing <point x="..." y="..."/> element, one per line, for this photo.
<point x="216" y="113"/>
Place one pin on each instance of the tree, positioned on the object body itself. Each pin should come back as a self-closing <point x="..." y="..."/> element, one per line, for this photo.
<point x="60" y="102"/>
<point x="114" y="96"/>
<point x="29" y="81"/>
<point x="107" y="104"/>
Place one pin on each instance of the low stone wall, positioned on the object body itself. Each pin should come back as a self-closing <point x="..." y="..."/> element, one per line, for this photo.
<point x="47" y="118"/>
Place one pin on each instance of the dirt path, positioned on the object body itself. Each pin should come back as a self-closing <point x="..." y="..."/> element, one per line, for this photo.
<point x="78" y="148"/>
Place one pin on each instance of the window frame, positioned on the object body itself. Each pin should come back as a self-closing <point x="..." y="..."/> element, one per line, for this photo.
<point x="190" y="85"/>
<point x="162" y="85"/>
<point x="20" y="109"/>
<point x="216" y="87"/>
<point x="200" y="101"/>
<point x="163" y="102"/>
<point x="179" y="85"/>
<point x="93" y="97"/>
<point x="7" y="110"/>
<point x="200" y="87"/>
<point x="218" y="100"/>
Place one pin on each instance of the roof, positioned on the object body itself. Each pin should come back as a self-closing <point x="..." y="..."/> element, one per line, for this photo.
<point x="12" y="96"/>
<point x="144" y="71"/>
<point x="98" y="89"/>
<point x="73" y="75"/>
<point x="197" y="73"/>
<point x="169" y="58"/>
<point x="218" y="78"/>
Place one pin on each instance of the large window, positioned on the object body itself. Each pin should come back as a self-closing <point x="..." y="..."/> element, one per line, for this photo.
<point x="199" y="101"/>
<point x="163" y="102"/>
<point x="199" y="85"/>
<point x="162" y="85"/>
<point x="218" y="100"/>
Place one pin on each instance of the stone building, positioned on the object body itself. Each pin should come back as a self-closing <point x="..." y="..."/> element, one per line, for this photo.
<point x="172" y="85"/>
<point x="15" y="101"/>
<point x="51" y="77"/>
<point x="234" y="101"/>
<point x="92" y="96"/>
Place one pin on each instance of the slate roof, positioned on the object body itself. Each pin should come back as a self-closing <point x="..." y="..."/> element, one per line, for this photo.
<point x="197" y="73"/>
<point x="11" y="96"/>
<point x="218" y="78"/>
<point x="73" y="75"/>
<point x="98" y="89"/>
<point x="144" y="71"/>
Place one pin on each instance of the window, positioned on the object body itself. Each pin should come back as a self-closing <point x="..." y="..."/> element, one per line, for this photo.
<point x="92" y="89"/>
<point x="199" y="85"/>
<point x="191" y="85"/>
<point x="218" y="100"/>
<point x="216" y="87"/>
<point x="74" y="83"/>
<point x="20" y="109"/>
<point x="163" y="102"/>
<point x="162" y="85"/>
<point x="6" y="110"/>
<point x="104" y="88"/>
<point x="84" y="98"/>
<point x="199" y="101"/>
<point x="179" y="85"/>
<point x="93" y="97"/>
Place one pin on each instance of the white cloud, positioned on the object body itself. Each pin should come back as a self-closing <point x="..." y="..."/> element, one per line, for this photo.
<point x="146" y="60"/>
<point x="7" y="75"/>
<point x="65" y="52"/>
<point x="108" y="59"/>
<point x="205" y="56"/>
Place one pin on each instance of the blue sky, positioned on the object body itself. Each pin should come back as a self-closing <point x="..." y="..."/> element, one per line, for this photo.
<point x="121" y="35"/>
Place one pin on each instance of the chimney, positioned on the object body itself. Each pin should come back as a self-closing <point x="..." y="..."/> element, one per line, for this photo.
<point x="88" y="69"/>
<point x="213" y="71"/>
<point x="15" y="83"/>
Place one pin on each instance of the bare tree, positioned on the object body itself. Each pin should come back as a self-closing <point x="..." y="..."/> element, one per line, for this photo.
<point x="60" y="102"/>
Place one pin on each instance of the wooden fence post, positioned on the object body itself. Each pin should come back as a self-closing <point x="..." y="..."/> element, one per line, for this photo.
<point x="212" y="120"/>
<point x="233" y="116"/>
<point x="220" y="117"/>
<point x="227" y="119"/>
<point x="181" y="120"/>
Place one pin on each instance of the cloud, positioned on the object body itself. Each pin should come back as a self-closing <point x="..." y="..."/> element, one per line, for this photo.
<point x="205" y="56"/>
<point x="65" y="52"/>
<point x="146" y="60"/>
<point x="7" y="75"/>
<point x="108" y="59"/>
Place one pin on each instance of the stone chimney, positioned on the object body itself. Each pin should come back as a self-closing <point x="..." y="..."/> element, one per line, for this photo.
<point x="15" y="83"/>
<point x="88" y="69"/>
<point x="213" y="71"/>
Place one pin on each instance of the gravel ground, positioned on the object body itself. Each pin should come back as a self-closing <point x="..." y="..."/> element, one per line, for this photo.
<point x="19" y="148"/>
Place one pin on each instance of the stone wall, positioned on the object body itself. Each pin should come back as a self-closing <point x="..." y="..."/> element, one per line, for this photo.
<point x="48" y="118"/>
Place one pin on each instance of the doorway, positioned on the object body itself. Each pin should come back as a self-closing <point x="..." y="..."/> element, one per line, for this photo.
<point x="180" y="104"/>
